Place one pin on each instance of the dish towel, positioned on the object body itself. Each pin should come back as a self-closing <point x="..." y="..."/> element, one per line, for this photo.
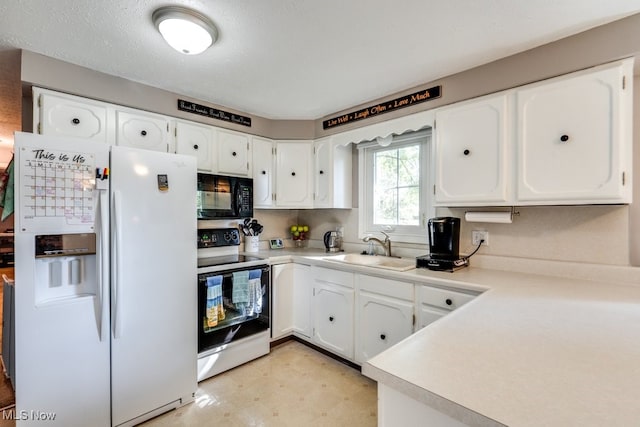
<point x="6" y="188"/>
<point x="214" y="308"/>
<point x="240" y="291"/>
<point x="255" y="291"/>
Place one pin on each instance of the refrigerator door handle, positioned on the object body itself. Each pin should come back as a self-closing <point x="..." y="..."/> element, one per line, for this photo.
<point x="117" y="266"/>
<point x="103" y="264"/>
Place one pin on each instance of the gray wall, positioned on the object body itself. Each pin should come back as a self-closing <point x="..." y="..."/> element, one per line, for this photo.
<point x="42" y="71"/>
<point x="617" y="40"/>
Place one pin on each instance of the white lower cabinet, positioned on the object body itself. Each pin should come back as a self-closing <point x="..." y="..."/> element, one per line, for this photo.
<point x="353" y="315"/>
<point x="433" y="303"/>
<point x="384" y="314"/>
<point x="281" y="300"/>
<point x="302" y="299"/>
<point x="333" y="297"/>
<point x="291" y="301"/>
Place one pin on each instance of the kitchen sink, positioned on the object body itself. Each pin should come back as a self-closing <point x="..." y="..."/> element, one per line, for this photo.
<point x="377" y="261"/>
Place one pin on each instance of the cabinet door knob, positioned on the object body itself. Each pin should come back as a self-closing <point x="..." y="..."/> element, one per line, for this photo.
<point x="143" y="133"/>
<point x="321" y="172"/>
<point x="195" y="146"/>
<point x="448" y="301"/>
<point x="466" y="152"/>
<point x="293" y="174"/>
<point x="383" y="337"/>
<point x="234" y="154"/>
<point x="564" y="138"/>
<point x="330" y="318"/>
<point x="75" y="121"/>
<point x="264" y="172"/>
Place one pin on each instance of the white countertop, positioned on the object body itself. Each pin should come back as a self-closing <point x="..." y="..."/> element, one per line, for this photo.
<point x="531" y="350"/>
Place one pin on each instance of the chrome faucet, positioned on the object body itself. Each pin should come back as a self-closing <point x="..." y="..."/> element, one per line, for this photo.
<point x="386" y="244"/>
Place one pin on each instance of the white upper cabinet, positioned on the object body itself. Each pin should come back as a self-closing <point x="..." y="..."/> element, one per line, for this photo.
<point x="574" y="138"/>
<point x="294" y="176"/>
<point x="263" y="172"/>
<point x="562" y="141"/>
<point x="59" y="114"/>
<point x="144" y="130"/>
<point x="471" y="153"/>
<point x="232" y="153"/>
<point x="195" y="140"/>
<point x="332" y="183"/>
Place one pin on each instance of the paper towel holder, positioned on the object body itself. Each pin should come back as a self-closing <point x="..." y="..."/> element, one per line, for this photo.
<point x="491" y="216"/>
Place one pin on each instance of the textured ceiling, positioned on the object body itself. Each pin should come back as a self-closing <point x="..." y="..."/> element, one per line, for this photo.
<point x="298" y="59"/>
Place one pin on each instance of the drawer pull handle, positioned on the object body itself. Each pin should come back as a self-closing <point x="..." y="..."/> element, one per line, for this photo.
<point x="564" y="138"/>
<point x="383" y="337"/>
<point x="195" y="146"/>
<point x="75" y="121"/>
<point x="234" y="154"/>
<point x="143" y="133"/>
<point x="293" y="174"/>
<point x="264" y="172"/>
<point x="466" y="152"/>
<point x="330" y="318"/>
<point x="321" y="172"/>
<point x="448" y="301"/>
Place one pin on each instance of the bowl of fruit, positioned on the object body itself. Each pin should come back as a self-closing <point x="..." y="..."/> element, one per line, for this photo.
<point x="299" y="233"/>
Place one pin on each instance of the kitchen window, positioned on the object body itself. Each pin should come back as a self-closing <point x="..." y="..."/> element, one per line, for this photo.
<point x="394" y="182"/>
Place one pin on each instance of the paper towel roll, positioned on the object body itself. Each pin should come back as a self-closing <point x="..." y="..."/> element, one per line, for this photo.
<point x="501" y="217"/>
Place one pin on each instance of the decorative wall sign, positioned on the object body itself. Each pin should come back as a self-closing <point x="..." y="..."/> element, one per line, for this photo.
<point x="214" y="113"/>
<point x="385" y="107"/>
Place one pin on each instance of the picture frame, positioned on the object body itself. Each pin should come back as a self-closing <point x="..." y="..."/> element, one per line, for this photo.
<point x="276" y="243"/>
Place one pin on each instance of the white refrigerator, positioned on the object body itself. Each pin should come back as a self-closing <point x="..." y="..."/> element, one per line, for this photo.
<point x="105" y="280"/>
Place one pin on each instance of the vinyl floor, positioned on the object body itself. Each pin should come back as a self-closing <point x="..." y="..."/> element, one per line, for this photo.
<point x="292" y="386"/>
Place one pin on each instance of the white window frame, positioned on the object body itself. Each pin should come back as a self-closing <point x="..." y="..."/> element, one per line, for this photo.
<point x="402" y="234"/>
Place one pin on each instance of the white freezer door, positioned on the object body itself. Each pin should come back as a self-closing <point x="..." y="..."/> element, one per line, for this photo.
<point x="154" y="278"/>
<point x="61" y="319"/>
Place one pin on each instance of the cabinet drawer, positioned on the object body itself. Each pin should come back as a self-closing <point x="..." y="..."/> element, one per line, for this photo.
<point x="389" y="287"/>
<point x="337" y="277"/>
<point x="444" y="298"/>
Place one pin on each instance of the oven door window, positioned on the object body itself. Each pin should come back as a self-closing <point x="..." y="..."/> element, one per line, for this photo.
<point x="232" y="305"/>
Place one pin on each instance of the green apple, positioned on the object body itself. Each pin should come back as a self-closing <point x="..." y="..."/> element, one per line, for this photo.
<point x="305" y="228"/>
<point x="294" y="228"/>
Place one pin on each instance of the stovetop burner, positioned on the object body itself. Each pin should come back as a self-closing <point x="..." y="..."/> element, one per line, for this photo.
<point x="228" y="259"/>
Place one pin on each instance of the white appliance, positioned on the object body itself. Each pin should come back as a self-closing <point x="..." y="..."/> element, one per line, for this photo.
<point x="105" y="300"/>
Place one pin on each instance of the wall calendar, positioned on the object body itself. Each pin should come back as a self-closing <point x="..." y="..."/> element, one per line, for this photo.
<point x="57" y="184"/>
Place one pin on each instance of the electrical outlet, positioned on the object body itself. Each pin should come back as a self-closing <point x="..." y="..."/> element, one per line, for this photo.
<point x="477" y="235"/>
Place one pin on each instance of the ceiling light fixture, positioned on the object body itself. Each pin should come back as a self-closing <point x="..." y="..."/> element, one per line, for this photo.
<point x="185" y="30"/>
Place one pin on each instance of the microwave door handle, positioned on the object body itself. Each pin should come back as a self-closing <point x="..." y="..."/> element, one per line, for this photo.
<point x="237" y="208"/>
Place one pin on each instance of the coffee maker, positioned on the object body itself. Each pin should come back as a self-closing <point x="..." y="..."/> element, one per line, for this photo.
<point x="444" y="245"/>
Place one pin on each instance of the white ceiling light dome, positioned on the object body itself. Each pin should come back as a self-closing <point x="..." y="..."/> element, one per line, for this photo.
<point x="185" y="30"/>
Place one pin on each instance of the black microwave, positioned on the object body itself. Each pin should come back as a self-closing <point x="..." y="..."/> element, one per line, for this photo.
<point x="222" y="197"/>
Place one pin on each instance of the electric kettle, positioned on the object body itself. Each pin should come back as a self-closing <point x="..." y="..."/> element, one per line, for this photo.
<point x="332" y="241"/>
